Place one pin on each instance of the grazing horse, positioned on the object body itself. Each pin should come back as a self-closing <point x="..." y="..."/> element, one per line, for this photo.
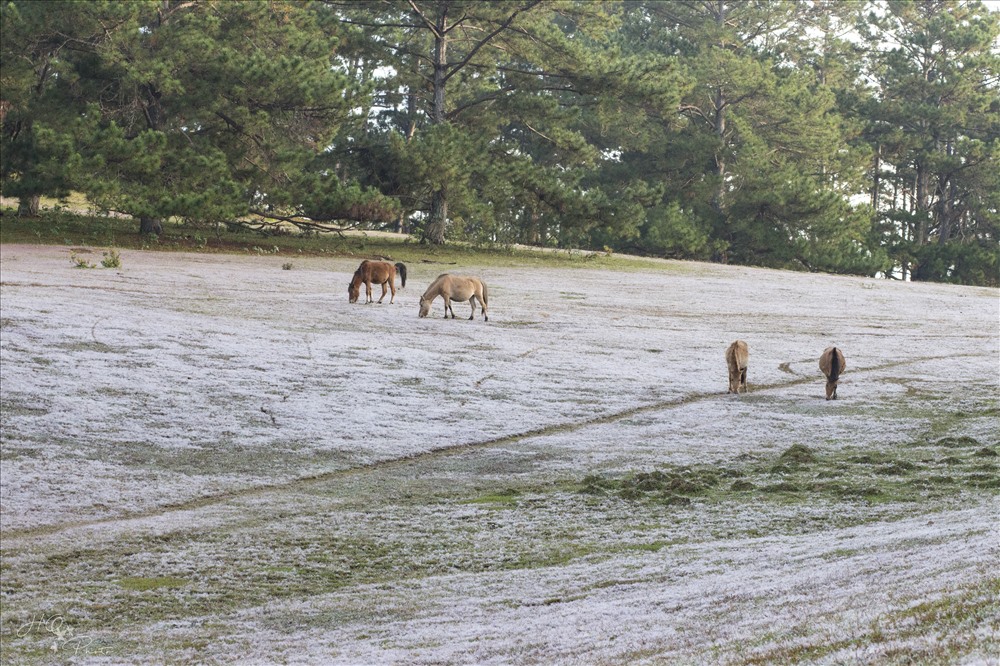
<point x="459" y="288"/>
<point x="832" y="363"/>
<point x="378" y="272"/>
<point x="737" y="356"/>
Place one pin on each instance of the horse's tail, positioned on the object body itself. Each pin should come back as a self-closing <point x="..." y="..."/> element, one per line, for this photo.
<point x="485" y="297"/>
<point x="401" y="269"/>
<point x="834" y="365"/>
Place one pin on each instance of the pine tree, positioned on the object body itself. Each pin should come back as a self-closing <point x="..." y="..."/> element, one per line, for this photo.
<point x="492" y="134"/>
<point x="202" y="110"/>
<point x="38" y="38"/>
<point x="935" y="124"/>
<point x="754" y="164"/>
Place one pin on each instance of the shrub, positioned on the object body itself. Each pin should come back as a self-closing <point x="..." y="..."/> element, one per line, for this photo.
<point x="112" y="259"/>
<point x="80" y="262"/>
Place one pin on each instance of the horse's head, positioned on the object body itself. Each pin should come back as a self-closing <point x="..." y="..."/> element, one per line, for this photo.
<point x="353" y="291"/>
<point x="425" y="307"/>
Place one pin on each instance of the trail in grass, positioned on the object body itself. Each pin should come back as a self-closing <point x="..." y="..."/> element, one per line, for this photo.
<point x="12" y="537"/>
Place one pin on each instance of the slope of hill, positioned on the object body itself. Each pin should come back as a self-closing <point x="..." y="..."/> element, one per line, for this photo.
<point x="210" y="458"/>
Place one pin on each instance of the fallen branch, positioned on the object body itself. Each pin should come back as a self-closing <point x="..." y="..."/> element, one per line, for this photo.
<point x="272" y="221"/>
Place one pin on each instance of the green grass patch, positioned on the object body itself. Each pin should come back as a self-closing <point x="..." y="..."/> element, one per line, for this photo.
<point x="652" y="546"/>
<point x="798" y="454"/>
<point x="143" y="584"/>
<point x="957" y="442"/>
<point x="504" y="498"/>
<point x="872" y="476"/>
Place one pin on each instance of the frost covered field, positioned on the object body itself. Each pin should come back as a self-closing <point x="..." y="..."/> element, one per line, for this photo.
<point x="210" y="459"/>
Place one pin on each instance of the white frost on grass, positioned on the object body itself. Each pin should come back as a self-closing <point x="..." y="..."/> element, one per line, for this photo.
<point x="244" y="433"/>
<point x="716" y="601"/>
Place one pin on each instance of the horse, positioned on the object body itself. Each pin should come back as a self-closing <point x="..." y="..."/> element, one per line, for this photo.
<point x="378" y="272"/>
<point x="737" y="356"/>
<point x="459" y="288"/>
<point x="832" y="363"/>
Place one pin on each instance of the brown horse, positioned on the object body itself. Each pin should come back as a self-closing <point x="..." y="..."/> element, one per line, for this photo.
<point x="377" y="272"/>
<point x="737" y="356"/>
<point x="832" y="363"/>
<point x="459" y="288"/>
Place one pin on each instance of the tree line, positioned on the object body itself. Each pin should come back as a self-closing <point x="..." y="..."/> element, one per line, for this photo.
<point x="851" y="137"/>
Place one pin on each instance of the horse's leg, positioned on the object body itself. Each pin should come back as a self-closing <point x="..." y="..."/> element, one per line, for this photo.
<point x="482" y="306"/>
<point x="383" y="294"/>
<point x="447" y="306"/>
<point x="368" y="291"/>
<point x="392" y="287"/>
<point x="472" y="302"/>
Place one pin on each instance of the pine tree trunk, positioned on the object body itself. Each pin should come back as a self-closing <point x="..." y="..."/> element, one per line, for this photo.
<point x="876" y="179"/>
<point x="150" y="225"/>
<point x="439" y="219"/>
<point x="533" y="235"/>
<point x="922" y="205"/>
<point x="29" y="206"/>
<point x="946" y="194"/>
<point x="438" y="223"/>
<point x="411" y="130"/>
<point x="718" y="199"/>
<point x="721" y="102"/>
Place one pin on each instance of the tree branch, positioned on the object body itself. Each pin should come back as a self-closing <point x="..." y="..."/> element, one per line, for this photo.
<point x="488" y="38"/>
<point x="492" y="97"/>
<point x="365" y="24"/>
<point x="300" y="222"/>
<point x="427" y="21"/>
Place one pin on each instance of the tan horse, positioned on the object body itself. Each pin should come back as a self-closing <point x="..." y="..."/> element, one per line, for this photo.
<point x="737" y="356"/>
<point x="378" y="272"/>
<point x="459" y="288"/>
<point x="832" y="363"/>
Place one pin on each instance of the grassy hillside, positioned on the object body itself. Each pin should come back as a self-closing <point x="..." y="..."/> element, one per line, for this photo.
<point x="212" y="459"/>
